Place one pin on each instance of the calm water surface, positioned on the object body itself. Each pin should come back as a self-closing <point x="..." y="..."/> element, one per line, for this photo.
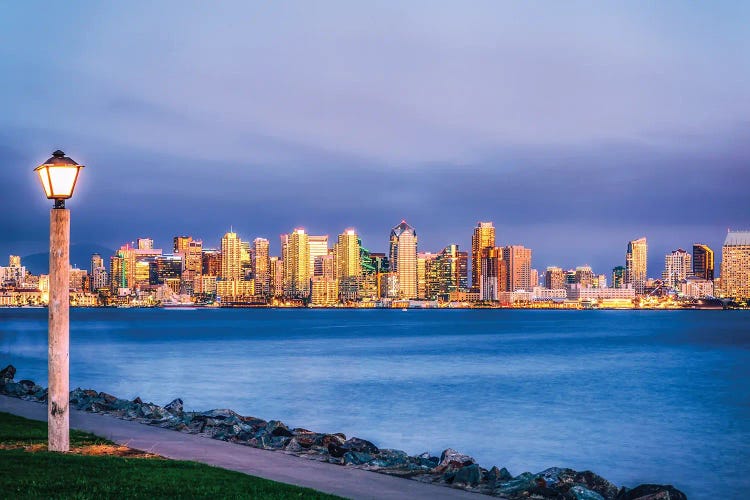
<point x="637" y="396"/>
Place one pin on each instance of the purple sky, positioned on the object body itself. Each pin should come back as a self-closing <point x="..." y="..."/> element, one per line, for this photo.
<point x="573" y="126"/>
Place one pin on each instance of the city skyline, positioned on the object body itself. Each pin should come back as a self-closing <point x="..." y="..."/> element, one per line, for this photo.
<point x="620" y="122"/>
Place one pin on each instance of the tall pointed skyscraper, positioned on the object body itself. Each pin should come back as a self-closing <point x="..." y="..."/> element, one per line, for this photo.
<point x="403" y="259"/>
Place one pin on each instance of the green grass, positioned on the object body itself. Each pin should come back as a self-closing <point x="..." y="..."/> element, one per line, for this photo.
<point x="53" y="475"/>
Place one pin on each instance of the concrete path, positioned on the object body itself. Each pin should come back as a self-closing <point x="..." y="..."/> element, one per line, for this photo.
<point x="339" y="480"/>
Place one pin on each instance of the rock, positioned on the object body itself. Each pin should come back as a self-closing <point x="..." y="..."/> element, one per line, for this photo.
<point x="360" y="445"/>
<point x="14" y="389"/>
<point x="8" y="373"/>
<point x="357" y="457"/>
<point x="326" y="439"/>
<point x="175" y="407"/>
<point x="470" y="475"/>
<point x="107" y="398"/>
<point x="450" y="459"/>
<point x="496" y="476"/>
<point x="137" y="401"/>
<point x="520" y="483"/>
<point x="336" y="450"/>
<point x="582" y="493"/>
<point x="277" y="428"/>
<point x="651" y="492"/>
<point x="393" y="459"/>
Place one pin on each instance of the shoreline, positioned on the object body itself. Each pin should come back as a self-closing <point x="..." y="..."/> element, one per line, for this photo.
<point x="452" y="469"/>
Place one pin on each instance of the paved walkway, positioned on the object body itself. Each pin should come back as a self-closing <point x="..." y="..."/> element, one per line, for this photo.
<point x="330" y="478"/>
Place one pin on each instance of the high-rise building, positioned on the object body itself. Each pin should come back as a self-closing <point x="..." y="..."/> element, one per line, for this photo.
<point x="318" y="248"/>
<point x="403" y="259"/>
<point x="231" y="257"/>
<point x="96" y="262"/>
<point x="483" y="237"/>
<point x="618" y="277"/>
<point x="145" y="244"/>
<point x="347" y="254"/>
<point x="554" y="278"/>
<point x="519" y="268"/>
<point x="261" y="266"/>
<point x="735" y="265"/>
<point x="98" y="273"/>
<point x="166" y="270"/>
<point x="424" y="264"/>
<point x="298" y="266"/>
<point x="636" y="265"/>
<point x="677" y="267"/>
<point x="703" y="262"/>
<point x="585" y="276"/>
<point x="276" y="275"/>
<point x="246" y="260"/>
<point x="493" y="277"/>
<point x="211" y="258"/>
<point x="447" y="273"/>
<point x="14" y="261"/>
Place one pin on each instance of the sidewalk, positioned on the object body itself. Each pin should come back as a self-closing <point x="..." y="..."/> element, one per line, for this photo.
<point x="329" y="478"/>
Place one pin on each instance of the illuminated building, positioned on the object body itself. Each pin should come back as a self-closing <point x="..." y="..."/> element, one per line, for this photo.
<point x="446" y="273"/>
<point x="493" y="277"/>
<point x="211" y="265"/>
<point x="584" y="276"/>
<point x="324" y="292"/>
<point x="118" y="271"/>
<point x="347" y="255"/>
<point x="231" y="257"/>
<point x="636" y="265"/>
<point x="618" y="277"/>
<point x="295" y="249"/>
<point x="325" y="266"/>
<point x="554" y="278"/>
<point x="166" y="270"/>
<point x="483" y="237"/>
<point x="77" y="279"/>
<point x="191" y="252"/>
<point x="318" y="248"/>
<point x="98" y="272"/>
<point x="14" y="261"/>
<point x="695" y="287"/>
<point x="519" y="268"/>
<point x="424" y="262"/>
<point x="579" y="292"/>
<point x="261" y="266"/>
<point x="735" y="265"/>
<point x="703" y="262"/>
<point x="276" y="276"/>
<point x="403" y="259"/>
<point x="145" y="244"/>
<point x="677" y="267"/>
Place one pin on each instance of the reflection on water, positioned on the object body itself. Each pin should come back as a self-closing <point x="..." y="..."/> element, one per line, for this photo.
<point x="635" y="396"/>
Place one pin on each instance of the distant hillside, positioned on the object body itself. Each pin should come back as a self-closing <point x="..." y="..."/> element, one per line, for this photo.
<point x="80" y="255"/>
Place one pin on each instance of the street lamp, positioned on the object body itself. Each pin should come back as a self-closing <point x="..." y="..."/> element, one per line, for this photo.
<point x="58" y="176"/>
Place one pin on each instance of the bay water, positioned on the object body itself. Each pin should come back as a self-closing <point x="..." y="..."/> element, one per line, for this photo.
<point x="635" y="396"/>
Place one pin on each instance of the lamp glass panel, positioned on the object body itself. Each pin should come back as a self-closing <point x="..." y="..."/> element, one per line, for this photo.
<point x="63" y="180"/>
<point x="45" y="182"/>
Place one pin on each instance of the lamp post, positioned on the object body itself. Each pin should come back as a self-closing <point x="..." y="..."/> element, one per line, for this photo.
<point x="58" y="176"/>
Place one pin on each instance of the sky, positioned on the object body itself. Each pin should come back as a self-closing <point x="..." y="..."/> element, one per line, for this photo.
<point x="573" y="126"/>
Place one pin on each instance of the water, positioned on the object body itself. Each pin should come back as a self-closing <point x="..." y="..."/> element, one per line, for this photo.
<point x="636" y="396"/>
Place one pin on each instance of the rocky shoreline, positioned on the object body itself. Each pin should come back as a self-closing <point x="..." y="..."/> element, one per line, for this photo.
<point x="452" y="469"/>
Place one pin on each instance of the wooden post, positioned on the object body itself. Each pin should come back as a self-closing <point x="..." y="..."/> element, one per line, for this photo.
<point x="58" y="397"/>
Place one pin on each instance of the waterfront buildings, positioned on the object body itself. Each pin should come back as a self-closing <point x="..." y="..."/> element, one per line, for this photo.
<point x="403" y="259"/>
<point x="735" y="265"/>
<point x="493" y="275"/>
<point x="619" y="277"/>
<point x="554" y="278"/>
<point x="636" y="265"/>
<point x="703" y="262"/>
<point x="231" y="257"/>
<point x="482" y="238"/>
<point x="519" y="268"/>
<point x="262" y="266"/>
<point x="677" y="267"/>
<point x="295" y="250"/>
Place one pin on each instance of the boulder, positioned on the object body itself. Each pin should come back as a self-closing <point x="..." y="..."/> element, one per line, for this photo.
<point x="357" y="457"/>
<point x="496" y="476"/>
<point x="175" y="407"/>
<point x="8" y="373"/>
<point x="277" y="428"/>
<point x="522" y="482"/>
<point x="581" y="493"/>
<point x="450" y="459"/>
<point x="651" y="492"/>
<point x="393" y="459"/>
<point x="360" y="445"/>
<point x="470" y="475"/>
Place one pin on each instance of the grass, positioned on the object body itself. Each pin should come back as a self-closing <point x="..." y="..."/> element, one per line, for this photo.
<point x="41" y="474"/>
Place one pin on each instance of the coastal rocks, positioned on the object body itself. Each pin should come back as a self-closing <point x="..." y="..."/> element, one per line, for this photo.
<point x="651" y="492"/>
<point x="8" y="373"/>
<point x="451" y="468"/>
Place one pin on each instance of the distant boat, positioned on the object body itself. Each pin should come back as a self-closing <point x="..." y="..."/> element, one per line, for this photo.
<point x="404" y="309"/>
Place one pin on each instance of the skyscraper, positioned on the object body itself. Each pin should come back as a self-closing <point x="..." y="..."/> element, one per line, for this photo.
<point x="494" y="274"/>
<point x="276" y="273"/>
<point x="585" y="276"/>
<point x="403" y="259"/>
<point x="447" y="272"/>
<point x="298" y="266"/>
<point x="261" y="266"/>
<point x="318" y="248"/>
<point x="618" y="277"/>
<point x="703" y="262"/>
<point x="519" y="267"/>
<point x="636" y="265"/>
<point x="554" y="278"/>
<point x="735" y="265"/>
<point x="231" y="257"/>
<point x="483" y="237"/>
<point x="677" y="267"/>
<point x="347" y="255"/>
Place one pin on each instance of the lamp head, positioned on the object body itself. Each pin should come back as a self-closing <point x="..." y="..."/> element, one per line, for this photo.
<point x="58" y="176"/>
